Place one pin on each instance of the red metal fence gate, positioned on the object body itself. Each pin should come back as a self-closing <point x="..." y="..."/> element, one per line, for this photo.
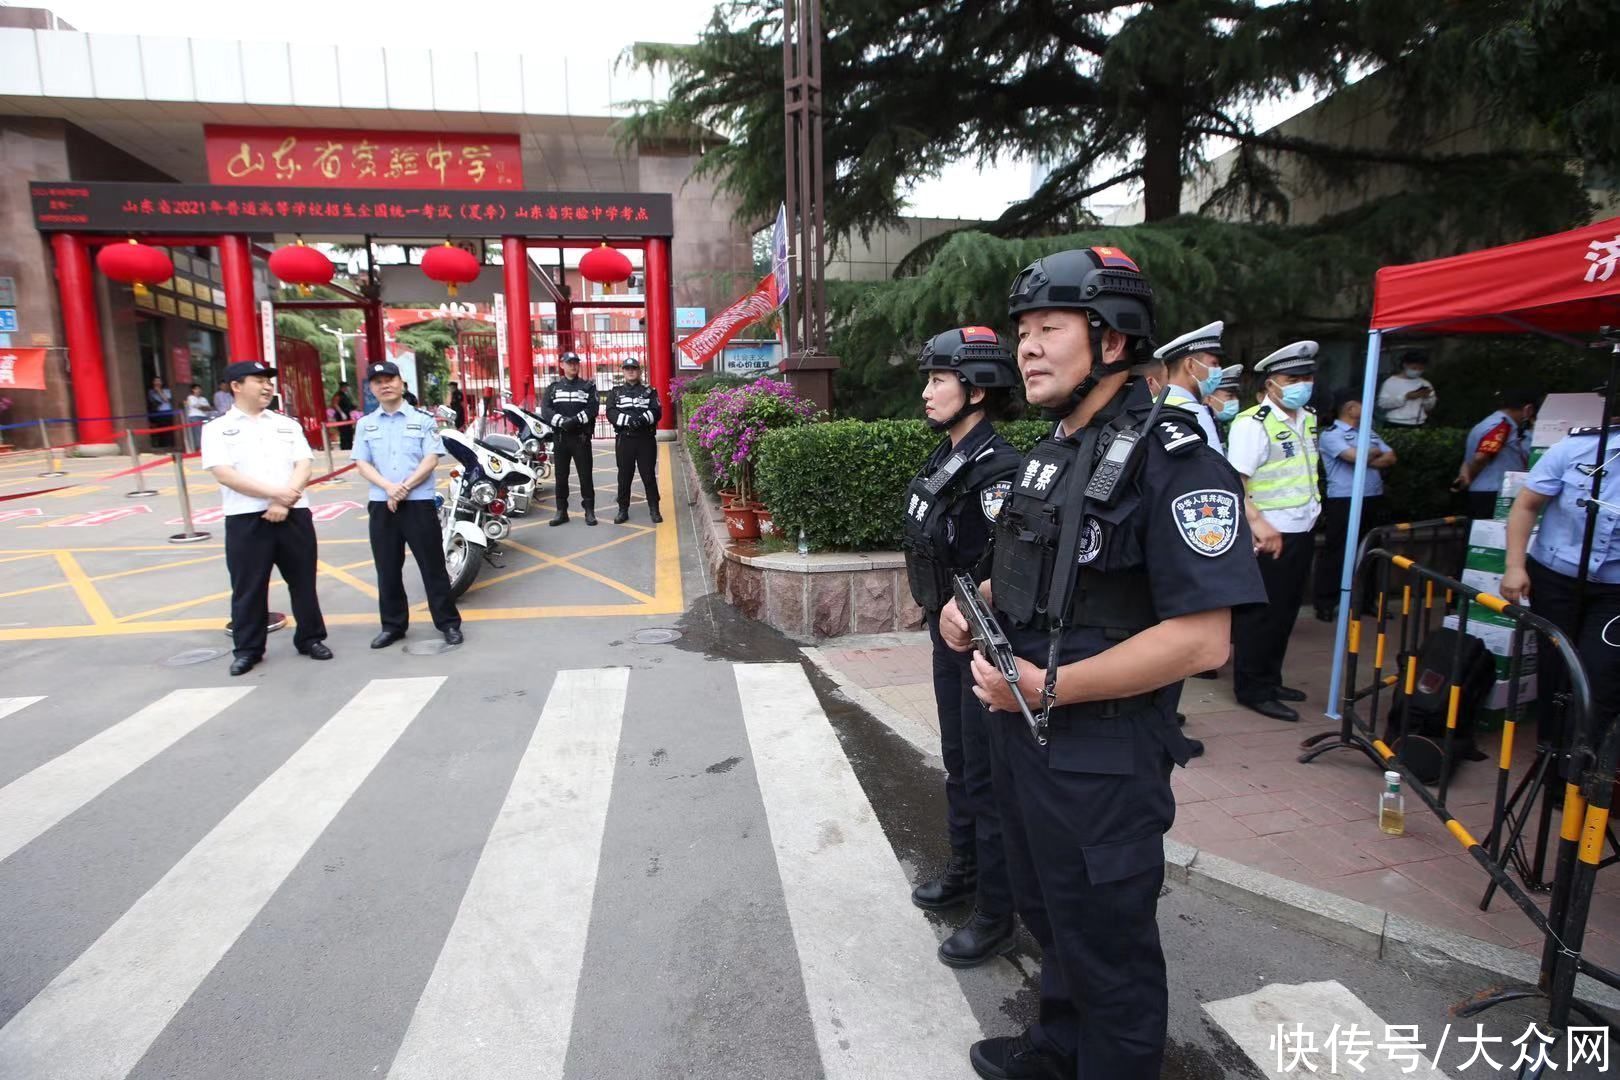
<point x="299" y="381"/>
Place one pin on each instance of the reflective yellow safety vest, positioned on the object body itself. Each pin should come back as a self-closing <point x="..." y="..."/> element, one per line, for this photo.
<point x="1287" y="478"/>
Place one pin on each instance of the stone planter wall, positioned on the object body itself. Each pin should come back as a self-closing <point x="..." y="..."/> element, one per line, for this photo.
<point x="808" y="597"/>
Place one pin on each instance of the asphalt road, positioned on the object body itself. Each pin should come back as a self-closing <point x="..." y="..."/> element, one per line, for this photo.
<point x="553" y="852"/>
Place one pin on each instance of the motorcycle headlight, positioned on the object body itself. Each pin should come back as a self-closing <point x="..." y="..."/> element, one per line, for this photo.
<point x="482" y="493"/>
<point x="532" y="447"/>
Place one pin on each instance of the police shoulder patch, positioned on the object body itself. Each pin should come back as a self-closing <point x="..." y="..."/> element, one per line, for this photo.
<point x="992" y="497"/>
<point x="1207" y="519"/>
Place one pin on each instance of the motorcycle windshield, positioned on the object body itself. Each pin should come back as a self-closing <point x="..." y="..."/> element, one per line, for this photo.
<point x="466" y="455"/>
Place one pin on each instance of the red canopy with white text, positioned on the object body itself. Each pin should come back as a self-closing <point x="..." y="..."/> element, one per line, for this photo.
<point x="1567" y="283"/>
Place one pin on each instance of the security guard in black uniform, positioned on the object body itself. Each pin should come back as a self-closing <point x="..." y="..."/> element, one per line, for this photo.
<point x="950" y="508"/>
<point x="633" y="409"/>
<point x="1117" y="559"/>
<point x="570" y="406"/>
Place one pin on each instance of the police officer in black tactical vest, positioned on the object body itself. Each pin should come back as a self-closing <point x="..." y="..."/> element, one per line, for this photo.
<point x="633" y="409"/>
<point x="1118" y="557"/>
<point x="570" y="406"/>
<point x="950" y="508"/>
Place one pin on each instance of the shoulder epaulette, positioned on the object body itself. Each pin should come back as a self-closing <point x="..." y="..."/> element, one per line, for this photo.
<point x="1178" y="431"/>
<point x="1593" y="430"/>
<point x="1262" y="412"/>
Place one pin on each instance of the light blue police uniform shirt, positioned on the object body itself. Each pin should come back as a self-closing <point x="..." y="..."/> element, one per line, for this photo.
<point x="1340" y="473"/>
<point x="395" y="443"/>
<point x="1563" y="524"/>
<point x="1513" y="457"/>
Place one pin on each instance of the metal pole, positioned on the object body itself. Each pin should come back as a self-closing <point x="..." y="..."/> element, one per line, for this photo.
<point x="135" y="464"/>
<point x="326" y="444"/>
<point x="50" y="452"/>
<point x="191" y="535"/>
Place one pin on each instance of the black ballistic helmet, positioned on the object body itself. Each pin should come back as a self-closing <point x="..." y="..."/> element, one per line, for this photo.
<point x="1101" y="280"/>
<point x="974" y="354"/>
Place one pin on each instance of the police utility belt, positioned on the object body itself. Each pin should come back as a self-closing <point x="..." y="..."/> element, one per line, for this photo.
<point x="1053" y="518"/>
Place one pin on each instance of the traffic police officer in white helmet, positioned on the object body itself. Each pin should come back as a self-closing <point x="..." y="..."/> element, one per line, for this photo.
<point x="1193" y="373"/>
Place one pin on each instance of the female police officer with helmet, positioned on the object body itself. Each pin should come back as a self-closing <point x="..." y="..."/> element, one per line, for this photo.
<point x="1118" y="556"/>
<point x="951" y="506"/>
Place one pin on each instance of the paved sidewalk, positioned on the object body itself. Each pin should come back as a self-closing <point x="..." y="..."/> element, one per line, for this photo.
<point x="1250" y="800"/>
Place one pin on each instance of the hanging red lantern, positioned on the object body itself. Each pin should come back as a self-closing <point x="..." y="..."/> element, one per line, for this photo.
<point x="135" y="263"/>
<point x="300" y="265"/>
<point x="605" y="266"/>
<point x="451" y="265"/>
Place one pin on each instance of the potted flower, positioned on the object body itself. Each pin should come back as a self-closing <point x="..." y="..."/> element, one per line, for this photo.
<point x="729" y="424"/>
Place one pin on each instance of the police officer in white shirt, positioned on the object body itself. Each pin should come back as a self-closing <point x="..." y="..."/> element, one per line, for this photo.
<point x="262" y="462"/>
<point x="1273" y="445"/>
<point x="1406" y="399"/>
<point x="1192" y="366"/>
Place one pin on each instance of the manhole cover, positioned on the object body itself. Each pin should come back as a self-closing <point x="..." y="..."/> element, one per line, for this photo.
<point x="432" y="647"/>
<point x="277" y="621"/>
<point x="656" y="635"/>
<point x="193" y="656"/>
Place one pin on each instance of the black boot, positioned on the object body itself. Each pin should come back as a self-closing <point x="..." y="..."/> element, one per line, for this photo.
<point x="958" y="883"/>
<point x="561" y="518"/>
<point x="590" y="515"/>
<point x="980" y="938"/>
<point x="652" y="512"/>
<point x="622" y="516"/>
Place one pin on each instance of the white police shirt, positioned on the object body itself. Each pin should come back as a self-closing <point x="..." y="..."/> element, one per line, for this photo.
<point x="1247" y="447"/>
<point x="263" y="448"/>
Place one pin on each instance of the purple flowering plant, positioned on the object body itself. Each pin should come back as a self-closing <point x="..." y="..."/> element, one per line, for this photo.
<point x="730" y="423"/>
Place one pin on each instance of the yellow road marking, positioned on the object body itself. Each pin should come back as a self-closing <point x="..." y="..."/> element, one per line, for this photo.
<point x="343" y="575"/>
<point x="568" y="564"/>
<point x="19" y="558"/>
<point x="105" y="577"/>
<point x="94" y="605"/>
<point x="276" y="583"/>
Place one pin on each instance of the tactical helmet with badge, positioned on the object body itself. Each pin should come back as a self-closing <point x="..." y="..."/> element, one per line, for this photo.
<point x="975" y="355"/>
<point x="1107" y="285"/>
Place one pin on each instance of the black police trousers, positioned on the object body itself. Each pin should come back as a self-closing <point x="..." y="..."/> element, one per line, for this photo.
<point x="637" y="451"/>
<point x="1335" y="539"/>
<point x="1555" y="597"/>
<point x="253" y="546"/>
<point x="574" y="452"/>
<point x="1260" y="633"/>
<point x="1085" y="854"/>
<point x="971" y="815"/>
<point x="415" y="523"/>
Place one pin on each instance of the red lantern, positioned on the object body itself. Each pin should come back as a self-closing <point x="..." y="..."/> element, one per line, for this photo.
<point x="605" y="265"/>
<point x="135" y="263"/>
<point x="302" y="266"/>
<point x="452" y="265"/>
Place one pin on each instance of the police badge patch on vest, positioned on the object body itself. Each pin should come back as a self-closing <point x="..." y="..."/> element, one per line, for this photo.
<point x="992" y="497"/>
<point x="1091" y="541"/>
<point x="1208" y="520"/>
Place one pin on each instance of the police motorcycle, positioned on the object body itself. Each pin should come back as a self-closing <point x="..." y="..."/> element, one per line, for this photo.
<point x="532" y="444"/>
<point x="473" y="518"/>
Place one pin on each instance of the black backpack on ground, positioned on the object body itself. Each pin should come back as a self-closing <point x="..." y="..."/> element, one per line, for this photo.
<point x="1424" y="745"/>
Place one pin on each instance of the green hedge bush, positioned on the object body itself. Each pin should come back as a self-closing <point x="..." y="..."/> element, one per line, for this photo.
<point x="843" y="482"/>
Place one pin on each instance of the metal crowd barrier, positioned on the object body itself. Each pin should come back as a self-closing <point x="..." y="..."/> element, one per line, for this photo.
<point x="1584" y="758"/>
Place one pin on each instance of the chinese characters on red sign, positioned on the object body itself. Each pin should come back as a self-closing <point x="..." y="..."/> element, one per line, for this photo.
<point x="301" y="210"/>
<point x="329" y="157"/>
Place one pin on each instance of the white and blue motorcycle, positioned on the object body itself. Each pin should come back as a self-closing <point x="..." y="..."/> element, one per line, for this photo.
<point x="473" y="517"/>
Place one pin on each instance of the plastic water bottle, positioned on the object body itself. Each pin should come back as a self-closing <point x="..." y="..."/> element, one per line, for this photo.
<point x="804" y="542"/>
<point x="1392" y="806"/>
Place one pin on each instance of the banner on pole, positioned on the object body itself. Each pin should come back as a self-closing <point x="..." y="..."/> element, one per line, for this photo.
<point x="22" y="369"/>
<point x="779" y="256"/>
<point x="704" y="345"/>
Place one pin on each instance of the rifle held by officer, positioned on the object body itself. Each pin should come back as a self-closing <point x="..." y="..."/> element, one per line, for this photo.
<point x="991" y="640"/>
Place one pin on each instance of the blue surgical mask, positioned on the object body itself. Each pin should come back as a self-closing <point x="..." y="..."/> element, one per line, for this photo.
<point x="1297" y="395"/>
<point x="1228" y="412"/>
<point x="1412" y="372"/>
<point x="1207" y="385"/>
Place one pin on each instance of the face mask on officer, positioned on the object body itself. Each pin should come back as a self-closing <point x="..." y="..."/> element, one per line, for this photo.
<point x="1295" y="395"/>
<point x="1211" y="379"/>
<point x="1412" y="371"/>
<point x="1228" y="411"/>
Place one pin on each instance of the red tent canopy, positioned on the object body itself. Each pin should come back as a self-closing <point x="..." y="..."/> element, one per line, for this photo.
<point x="1568" y="282"/>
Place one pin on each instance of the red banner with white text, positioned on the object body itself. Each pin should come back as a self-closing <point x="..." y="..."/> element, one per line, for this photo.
<point x="22" y="369"/>
<point x="338" y="157"/>
<point x="706" y="344"/>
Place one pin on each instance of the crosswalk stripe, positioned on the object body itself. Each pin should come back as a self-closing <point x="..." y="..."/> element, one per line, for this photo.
<point x="1264" y="1022"/>
<point x="98" y="1017"/>
<point x="40" y="799"/>
<point x="877" y="993"/>
<point x="500" y="1001"/>
<point x="9" y="705"/>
